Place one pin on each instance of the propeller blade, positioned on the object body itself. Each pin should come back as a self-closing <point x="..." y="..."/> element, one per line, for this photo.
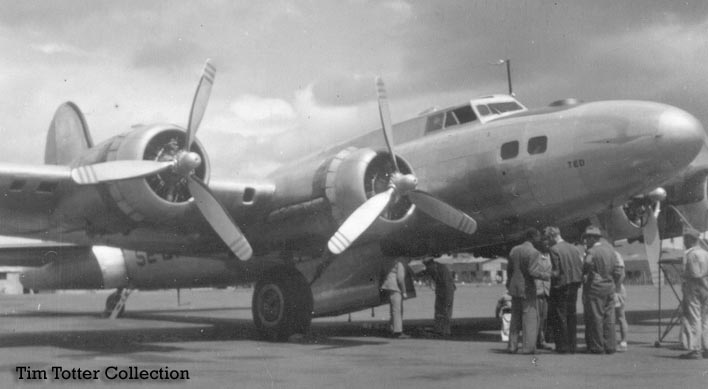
<point x="385" y="115"/>
<point x="116" y="170"/>
<point x="199" y="104"/>
<point x="359" y="221"/>
<point x="652" y="243"/>
<point x="443" y="212"/>
<point x="219" y="219"/>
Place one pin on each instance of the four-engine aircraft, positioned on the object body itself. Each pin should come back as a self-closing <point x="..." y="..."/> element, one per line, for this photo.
<point x="317" y="234"/>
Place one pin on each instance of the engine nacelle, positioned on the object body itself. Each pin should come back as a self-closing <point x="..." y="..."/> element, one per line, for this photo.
<point x="682" y="203"/>
<point x="314" y="199"/>
<point x="79" y="267"/>
<point x="157" y="199"/>
<point x="354" y="176"/>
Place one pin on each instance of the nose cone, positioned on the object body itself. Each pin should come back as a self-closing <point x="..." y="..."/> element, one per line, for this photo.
<point x="680" y="137"/>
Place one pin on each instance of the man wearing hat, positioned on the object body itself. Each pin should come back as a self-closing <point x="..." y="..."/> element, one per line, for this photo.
<point x="695" y="296"/>
<point x="600" y="269"/>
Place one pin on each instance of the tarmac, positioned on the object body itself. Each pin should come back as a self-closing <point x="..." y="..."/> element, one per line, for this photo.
<point x="61" y="339"/>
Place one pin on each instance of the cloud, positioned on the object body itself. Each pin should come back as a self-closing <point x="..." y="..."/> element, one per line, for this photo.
<point x="254" y="109"/>
<point x="58" y="48"/>
<point x="294" y="76"/>
<point x="259" y="134"/>
<point x="401" y="9"/>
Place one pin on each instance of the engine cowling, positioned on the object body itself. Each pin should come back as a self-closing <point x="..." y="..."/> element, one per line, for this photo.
<point x="315" y="196"/>
<point x="685" y="202"/>
<point x="157" y="199"/>
<point x="354" y="176"/>
<point x="78" y="267"/>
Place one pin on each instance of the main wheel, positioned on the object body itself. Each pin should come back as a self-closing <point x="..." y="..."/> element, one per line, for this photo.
<point x="111" y="302"/>
<point x="282" y="304"/>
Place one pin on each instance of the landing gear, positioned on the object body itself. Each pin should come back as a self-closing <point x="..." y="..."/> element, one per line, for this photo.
<point x="115" y="303"/>
<point x="282" y="304"/>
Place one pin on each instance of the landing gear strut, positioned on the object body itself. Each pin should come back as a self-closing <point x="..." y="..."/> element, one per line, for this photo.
<point x="115" y="303"/>
<point x="282" y="304"/>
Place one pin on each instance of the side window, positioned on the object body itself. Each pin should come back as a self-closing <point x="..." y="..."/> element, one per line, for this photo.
<point x="435" y="122"/>
<point x="450" y="119"/>
<point x="510" y="150"/>
<point x="483" y="110"/>
<point x="537" y="145"/>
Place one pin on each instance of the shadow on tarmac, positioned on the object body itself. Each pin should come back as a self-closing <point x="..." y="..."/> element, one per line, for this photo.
<point x="101" y="340"/>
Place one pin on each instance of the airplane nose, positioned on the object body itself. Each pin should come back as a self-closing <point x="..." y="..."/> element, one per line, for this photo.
<point x="680" y="137"/>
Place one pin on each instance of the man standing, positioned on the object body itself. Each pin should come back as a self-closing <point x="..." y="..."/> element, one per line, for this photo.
<point x="522" y="270"/>
<point x="695" y="296"/>
<point x="543" y="288"/>
<point x="620" y="299"/>
<point x="566" y="277"/>
<point x="601" y="270"/>
<point x="395" y="286"/>
<point x="444" y="294"/>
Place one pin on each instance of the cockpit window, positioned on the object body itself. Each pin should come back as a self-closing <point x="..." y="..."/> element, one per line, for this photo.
<point x="465" y="114"/>
<point x="504" y="107"/>
<point x="435" y="122"/>
<point x="450" y="119"/>
<point x="483" y="110"/>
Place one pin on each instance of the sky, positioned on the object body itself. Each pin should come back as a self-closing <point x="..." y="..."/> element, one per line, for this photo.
<point x="294" y="76"/>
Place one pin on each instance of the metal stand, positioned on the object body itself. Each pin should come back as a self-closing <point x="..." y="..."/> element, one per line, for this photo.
<point x="676" y="314"/>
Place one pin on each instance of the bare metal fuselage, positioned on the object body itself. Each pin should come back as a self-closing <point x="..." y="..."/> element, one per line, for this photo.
<point x="595" y="156"/>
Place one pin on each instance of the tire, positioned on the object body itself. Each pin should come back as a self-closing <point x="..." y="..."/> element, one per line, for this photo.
<point x="111" y="302"/>
<point x="282" y="305"/>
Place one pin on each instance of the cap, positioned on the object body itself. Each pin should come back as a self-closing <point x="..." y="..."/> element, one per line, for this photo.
<point x="691" y="232"/>
<point x="592" y="231"/>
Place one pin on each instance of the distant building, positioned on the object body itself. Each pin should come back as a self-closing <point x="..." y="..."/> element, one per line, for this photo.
<point x="10" y="280"/>
<point x="469" y="269"/>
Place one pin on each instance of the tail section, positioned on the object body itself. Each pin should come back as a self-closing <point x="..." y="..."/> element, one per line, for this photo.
<point x="68" y="135"/>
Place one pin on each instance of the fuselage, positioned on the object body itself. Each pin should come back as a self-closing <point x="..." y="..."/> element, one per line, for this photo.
<point x="506" y="166"/>
<point x="555" y="165"/>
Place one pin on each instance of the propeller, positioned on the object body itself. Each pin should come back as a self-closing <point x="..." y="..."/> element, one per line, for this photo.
<point x="399" y="185"/>
<point x="650" y="233"/>
<point x="182" y="163"/>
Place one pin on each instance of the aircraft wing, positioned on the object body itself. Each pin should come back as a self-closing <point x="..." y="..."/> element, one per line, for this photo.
<point x="29" y="190"/>
<point x="45" y="202"/>
<point x="31" y="253"/>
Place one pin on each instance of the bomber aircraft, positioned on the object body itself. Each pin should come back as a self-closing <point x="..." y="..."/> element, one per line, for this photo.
<point x="317" y="234"/>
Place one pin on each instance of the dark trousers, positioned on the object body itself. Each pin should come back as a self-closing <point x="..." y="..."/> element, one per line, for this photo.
<point x="443" y="311"/>
<point x="564" y="301"/>
<point x="600" y="323"/>
<point x="524" y="318"/>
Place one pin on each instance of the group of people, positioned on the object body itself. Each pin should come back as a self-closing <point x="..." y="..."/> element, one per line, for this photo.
<point x="545" y="274"/>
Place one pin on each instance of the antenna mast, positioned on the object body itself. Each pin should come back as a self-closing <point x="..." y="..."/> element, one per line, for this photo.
<point x="508" y="75"/>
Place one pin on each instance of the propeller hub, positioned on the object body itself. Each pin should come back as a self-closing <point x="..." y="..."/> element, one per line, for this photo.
<point x="404" y="183"/>
<point x="186" y="162"/>
<point x="658" y="194"/>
